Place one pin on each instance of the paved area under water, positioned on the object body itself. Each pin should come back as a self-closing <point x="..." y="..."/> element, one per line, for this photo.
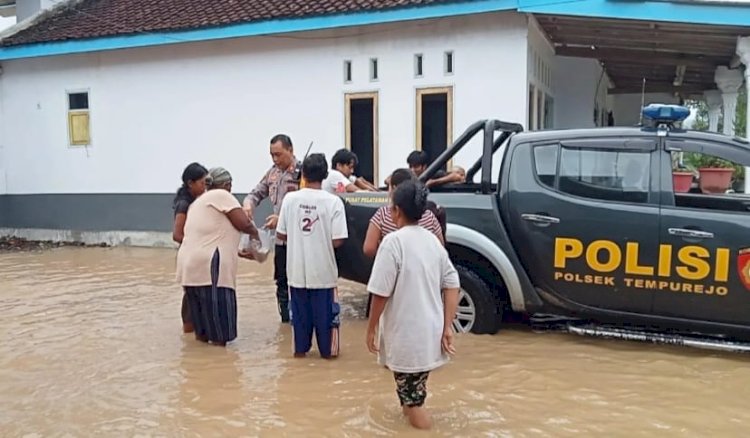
<point x="92" y="346"/>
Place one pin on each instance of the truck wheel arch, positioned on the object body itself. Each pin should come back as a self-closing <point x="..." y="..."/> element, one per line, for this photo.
<point x="459" y="235"/>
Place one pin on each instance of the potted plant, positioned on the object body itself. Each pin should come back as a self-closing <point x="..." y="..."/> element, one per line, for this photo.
<point x="682" y="176"/>
<point x="715" y="173"/>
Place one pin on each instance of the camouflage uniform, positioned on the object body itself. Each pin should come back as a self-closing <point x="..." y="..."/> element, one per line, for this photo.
<point x="411" y="388"/>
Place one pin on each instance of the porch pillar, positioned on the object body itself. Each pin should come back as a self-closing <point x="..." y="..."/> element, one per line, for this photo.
<point x="729" y="82"/>
<point x="713" y="101"/>
<point x="743" y="51"/>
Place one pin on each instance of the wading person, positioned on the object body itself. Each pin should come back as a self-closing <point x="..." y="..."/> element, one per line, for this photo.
<point x="411" y="270"/>
<point x="313" y="223"/>
<point x="193" y="185"/>
<point x="207" y="259"/>
<point x="382" y="223"/>
<point x="282" y="178"/>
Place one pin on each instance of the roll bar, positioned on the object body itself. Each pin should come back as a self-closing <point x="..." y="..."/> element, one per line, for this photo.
<point x="489" y="147"/>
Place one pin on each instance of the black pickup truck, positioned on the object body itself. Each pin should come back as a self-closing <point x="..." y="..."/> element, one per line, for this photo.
<point x="586" y="224"/>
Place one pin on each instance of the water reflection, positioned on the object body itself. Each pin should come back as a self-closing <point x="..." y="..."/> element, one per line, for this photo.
<point x="211" y="387"/>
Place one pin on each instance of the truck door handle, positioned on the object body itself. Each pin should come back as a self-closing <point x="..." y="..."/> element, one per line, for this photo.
<point x="693" y="234"/>
<point x="540" y="218"/>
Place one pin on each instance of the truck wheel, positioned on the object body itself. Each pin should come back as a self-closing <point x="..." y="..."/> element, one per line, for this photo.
<point x="478" y="310"/>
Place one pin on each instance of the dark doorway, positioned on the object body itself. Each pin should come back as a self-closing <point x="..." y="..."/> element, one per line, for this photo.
<point x="434" y="128"/>
<point x="361" y="133"/>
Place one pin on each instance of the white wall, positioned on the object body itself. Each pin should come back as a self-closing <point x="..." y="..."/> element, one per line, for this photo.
<point x="27" y="8"/>
<point x="627" y="107"/>
<point x="540" y="70"/>
<point x="154" y="110"/>
<point x="576" y="100"/>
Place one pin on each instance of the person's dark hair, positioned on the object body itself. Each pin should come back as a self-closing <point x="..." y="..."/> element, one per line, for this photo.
<point x="418" y="158"/>
<point x="401" y="175"/>
<point x="315" y="168"/>
<point x="192" y="172"/>
<point x="284" y="139"/>
<point x="343" y="156"/>
<point x="411" y="198"/>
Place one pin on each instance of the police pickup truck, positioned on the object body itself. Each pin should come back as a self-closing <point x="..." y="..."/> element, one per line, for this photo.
<point x="590" y="225"/>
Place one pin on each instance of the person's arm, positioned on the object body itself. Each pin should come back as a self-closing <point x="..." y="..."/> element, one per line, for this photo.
<point x="363" y="184"/>
<point x="339" y="230"/>
<point x="435" y="228"/>
<point x="381" y="285"/>
<point x="259" y="193"/>
<point x="450" y="304"/>
<point x="242" y="223"/>
<point x="450" y="286"/>
<point x="178" y="232"/>
<point x="281" y="223"/>
<point x="377" y="305"/>
<point x="372" y="240"/>
<point x="452" y="177"/>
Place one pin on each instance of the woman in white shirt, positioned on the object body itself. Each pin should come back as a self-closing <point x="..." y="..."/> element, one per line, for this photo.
<point x="411" y="270"/>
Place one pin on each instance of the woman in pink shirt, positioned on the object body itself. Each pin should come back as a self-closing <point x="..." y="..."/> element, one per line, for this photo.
<point x="382" y="223"/>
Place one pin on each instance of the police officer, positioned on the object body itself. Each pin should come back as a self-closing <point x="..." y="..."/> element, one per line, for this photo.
<point x="282" y="178"/>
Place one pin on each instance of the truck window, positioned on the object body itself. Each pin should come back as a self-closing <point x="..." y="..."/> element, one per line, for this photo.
<point x="708" y="182"/>
<point x="610" y="175"/>
<point x="545" y="161"/>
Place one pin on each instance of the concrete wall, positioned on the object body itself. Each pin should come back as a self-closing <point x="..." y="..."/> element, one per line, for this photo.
<point x="541" y="73"/>
<point x="154" y="110"/>
<point x="96" y="212"/>
<point x="27" y="8"/>
<point x="579" y="96"/>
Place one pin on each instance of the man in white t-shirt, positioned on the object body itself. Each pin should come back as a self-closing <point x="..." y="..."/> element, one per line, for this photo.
<point x="313" y="223"/>
<point x="341" y="178"/>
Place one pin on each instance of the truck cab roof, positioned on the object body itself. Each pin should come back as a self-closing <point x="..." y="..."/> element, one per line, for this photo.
<point x="615" y="132"/>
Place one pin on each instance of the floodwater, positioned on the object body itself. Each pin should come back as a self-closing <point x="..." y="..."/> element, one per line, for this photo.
<point x="92" y="346"/>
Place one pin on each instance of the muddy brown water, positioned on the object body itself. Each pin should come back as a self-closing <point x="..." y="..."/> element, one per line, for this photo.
<point x="91" y="345"/>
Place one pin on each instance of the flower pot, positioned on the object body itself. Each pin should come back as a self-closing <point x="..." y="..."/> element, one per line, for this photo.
<point x="681" y="181"/>
<point x="715" y="179"/>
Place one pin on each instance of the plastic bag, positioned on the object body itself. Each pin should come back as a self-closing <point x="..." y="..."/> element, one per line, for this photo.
<point x="260" y="248"/>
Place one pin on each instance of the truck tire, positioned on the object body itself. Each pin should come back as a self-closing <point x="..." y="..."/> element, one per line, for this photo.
<point x="487" y="311"/>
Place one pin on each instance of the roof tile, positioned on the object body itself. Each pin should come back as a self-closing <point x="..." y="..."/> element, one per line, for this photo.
<point x="100" y="18"/>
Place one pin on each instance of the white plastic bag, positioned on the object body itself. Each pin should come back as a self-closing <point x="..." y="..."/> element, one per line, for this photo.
<point x="258" y="248"/>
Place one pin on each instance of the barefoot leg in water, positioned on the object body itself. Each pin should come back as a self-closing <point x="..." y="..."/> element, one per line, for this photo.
<point x="418" y="417"/>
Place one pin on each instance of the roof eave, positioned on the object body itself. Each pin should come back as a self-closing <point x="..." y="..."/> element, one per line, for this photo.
<point x="676" y="11"/>
<point x="267" y="27"/>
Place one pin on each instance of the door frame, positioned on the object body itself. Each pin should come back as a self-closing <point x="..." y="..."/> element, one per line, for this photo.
<point x="448" y="90"/>
<point x="348" y="97"/>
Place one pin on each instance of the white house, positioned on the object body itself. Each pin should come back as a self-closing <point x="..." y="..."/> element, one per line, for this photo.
<point x="103" y="103"/>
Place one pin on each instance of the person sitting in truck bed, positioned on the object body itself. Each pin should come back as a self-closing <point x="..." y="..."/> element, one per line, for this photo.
<point x="457" y="175"/>
<point x="418" y="162"/>
<point x="341" y="179"/>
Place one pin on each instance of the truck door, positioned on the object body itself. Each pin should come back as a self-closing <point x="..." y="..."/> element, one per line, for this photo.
<point x="705" y="237"/>
<point x="584" y="217"/>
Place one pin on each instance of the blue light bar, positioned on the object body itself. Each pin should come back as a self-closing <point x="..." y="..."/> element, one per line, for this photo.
<point x="665" y="113"/>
